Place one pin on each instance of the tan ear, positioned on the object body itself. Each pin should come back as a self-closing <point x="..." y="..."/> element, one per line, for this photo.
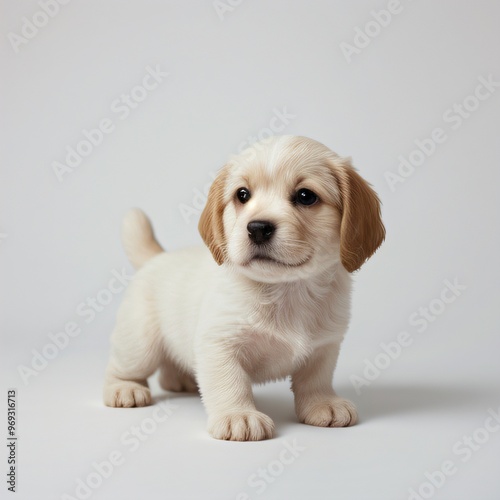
<point x="211" y="226"/>
<point x="361" y="229"/>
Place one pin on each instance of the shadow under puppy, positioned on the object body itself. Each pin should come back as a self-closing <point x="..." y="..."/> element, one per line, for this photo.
<point x="286" y="222"/>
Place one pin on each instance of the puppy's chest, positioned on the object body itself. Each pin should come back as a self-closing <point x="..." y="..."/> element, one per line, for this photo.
<point x="277" y="337"/>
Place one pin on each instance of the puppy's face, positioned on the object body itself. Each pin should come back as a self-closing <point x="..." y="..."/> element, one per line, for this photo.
<point x="288" y="208"/>
<point x="281" y="217"/>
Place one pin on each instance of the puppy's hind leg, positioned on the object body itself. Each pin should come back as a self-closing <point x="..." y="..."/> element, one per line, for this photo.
<point x="175" y="379"/>
<point x="316" y="403"/>
<point x="137" y="352"/>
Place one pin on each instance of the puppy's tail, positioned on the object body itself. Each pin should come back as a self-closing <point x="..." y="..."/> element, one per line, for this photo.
<point x="138" y="238"/>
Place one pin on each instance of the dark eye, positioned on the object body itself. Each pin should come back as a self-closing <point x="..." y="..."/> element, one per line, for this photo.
<point x="306" y="197"/>
<point x="243" y="194"/>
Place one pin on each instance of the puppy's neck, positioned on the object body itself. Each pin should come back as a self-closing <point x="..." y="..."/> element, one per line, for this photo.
<point x="316" y="287"/>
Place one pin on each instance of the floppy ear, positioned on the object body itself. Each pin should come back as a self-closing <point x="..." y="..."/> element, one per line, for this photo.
<point x="361" y="229"/>
<point x="211" y="226"/>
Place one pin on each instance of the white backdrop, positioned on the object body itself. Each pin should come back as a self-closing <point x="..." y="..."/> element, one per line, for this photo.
<point x="409" y="89"/>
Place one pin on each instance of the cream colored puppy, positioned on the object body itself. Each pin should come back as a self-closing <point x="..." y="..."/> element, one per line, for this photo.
<point x="286" y="222"/>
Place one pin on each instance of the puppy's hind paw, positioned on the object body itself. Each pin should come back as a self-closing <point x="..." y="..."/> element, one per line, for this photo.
<point x="177" y="382"/>
<point x="126" y="395"/>
<point x="334" y="412"/>
<point x="241" y="426"/>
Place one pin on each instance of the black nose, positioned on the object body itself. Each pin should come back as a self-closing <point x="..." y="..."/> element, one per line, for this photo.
<point x="260" y="231"/>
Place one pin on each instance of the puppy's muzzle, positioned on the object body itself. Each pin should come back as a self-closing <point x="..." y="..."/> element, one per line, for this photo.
<point x="260" y="231"/>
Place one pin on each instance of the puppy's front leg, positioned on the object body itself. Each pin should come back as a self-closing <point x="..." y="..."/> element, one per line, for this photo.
<point x="226" y="391"/>
<point x="315" y="400"/>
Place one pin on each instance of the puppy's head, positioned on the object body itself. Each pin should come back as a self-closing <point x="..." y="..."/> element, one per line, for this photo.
<point x="289" y="208"/>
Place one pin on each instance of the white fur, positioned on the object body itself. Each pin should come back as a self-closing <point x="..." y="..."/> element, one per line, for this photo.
<point x="222" y="328"/>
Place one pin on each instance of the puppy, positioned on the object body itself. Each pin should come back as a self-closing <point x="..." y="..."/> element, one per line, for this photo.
<point x="286" y="222"/>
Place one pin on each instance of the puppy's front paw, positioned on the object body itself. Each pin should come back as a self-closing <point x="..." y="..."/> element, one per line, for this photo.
<point x="126" y="395"/>
<point x="331" y="412"/>
<point x="241" y="426"/>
